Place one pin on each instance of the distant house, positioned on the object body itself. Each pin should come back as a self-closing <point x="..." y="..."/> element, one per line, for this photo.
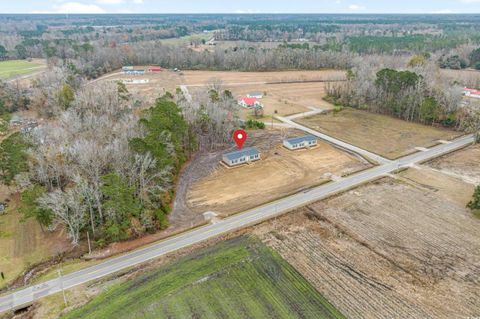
<point x="247" y="155"/>
<point x="471" y="93"/>
<point x="249" y="102"/>
<point x="257" y="95"/>
<point x="296" y="143"/>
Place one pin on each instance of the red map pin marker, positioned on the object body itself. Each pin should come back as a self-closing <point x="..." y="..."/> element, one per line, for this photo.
<point x="240" y="136"/>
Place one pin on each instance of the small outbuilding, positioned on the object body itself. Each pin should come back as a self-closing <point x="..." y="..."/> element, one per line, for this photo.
<point x="296" y="143"/>
<point x="247" y="155"/>
<point x="257" y="95"/>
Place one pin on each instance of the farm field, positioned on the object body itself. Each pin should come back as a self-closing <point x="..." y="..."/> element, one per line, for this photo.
<point x="24" y="243"/>
<point x="380" y="134"/>
<point x="159" y="83"/>
<point x="9" y="69"/>
<point x="285" y="98"/>
<point x="280" y="173"/>
<point x="464" y="164"/>
<point x="200" y="78"/>
<point x="450" y="187"/>
<point x="239" y="278"/>
<point x="389" y="249"/>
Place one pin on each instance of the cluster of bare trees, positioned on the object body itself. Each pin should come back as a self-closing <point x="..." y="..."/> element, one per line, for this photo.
<point x="212" y="115"/>
<point x="71" y="156"/>
<point x="245" y="58"/>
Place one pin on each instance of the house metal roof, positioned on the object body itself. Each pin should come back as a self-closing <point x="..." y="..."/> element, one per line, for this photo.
<point x="306" y="138"/>
<point x="248" y="151"/>
<point x="255" y="94"/>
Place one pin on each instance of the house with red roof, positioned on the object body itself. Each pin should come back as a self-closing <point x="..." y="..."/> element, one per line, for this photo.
<point x="249" y="102"/>
<point x="471" y="93"/>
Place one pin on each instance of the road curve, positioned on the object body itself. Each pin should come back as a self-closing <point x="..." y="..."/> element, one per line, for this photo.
<point x="29" y="294"/>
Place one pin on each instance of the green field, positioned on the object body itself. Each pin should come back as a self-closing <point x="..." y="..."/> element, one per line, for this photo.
<point x="9" y="69"/>
<point x="240" y="278"/>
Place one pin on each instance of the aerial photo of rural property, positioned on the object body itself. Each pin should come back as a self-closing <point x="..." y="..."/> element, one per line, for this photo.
<point x="256" y="159"/>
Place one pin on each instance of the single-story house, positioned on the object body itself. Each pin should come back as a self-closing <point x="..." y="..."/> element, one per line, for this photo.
<point x="257" y="95"/>
<point x="249" y="102"/>
<point x="247" y="155"/>
<point x="296" y="143"/>
<point x="471" y="92"/>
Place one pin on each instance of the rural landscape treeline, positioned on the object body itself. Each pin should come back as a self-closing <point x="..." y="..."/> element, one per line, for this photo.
<point x="108" y="164"/>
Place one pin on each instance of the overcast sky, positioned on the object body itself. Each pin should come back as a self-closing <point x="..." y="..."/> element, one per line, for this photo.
<point x="243" y="6"/>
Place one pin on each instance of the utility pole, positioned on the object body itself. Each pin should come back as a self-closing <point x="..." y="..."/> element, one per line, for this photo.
<point x="61" y="286"/>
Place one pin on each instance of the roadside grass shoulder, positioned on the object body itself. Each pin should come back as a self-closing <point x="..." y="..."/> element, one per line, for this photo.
<point x="239" y="278"/>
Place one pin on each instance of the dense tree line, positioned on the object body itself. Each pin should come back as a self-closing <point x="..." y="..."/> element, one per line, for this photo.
<point x="415" y="94"/>
<point x="101" y="168"/>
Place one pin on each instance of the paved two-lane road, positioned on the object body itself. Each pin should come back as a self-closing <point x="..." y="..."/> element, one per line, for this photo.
<point x="256" y="215"/>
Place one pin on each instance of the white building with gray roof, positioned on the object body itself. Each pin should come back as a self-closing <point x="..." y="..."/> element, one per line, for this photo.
<point x="246" y="155"/>
<point x="295" y="143"/>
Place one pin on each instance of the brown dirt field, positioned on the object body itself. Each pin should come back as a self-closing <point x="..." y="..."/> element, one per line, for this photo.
<point x="229" y="77"/>
<point x="160" y="83"/>
<point x="385" y="250"/>
<point x="280" y="173"/>
<point x="464" y="164"/>
<point x="288" y="99"/>
<point x="380" y="134"/>
<point x="449" y="187"/>
<point x="23" y="244"/>
<point x="285" y="98"/>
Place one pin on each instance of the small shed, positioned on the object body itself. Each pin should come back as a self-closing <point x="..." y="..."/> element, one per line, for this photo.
<point x="257" y="95"/>
<point x="296" y="143"/>
<point x="247" y="155"/>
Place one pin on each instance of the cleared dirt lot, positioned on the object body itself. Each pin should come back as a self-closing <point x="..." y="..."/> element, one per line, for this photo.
<point x="464" y="164"/>
<point x="280" y="173"/>
<point x="389" y="249"/>
<point x="384" y="135"/>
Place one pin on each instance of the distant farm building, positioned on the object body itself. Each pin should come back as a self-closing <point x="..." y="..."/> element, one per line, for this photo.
<point x="257" y="95"/>
<point x="134" y="72"/>
<point x="296" y="143"/>
<point x="249" y="102"/>
<point x="247" y="155"/>
<point x="154" y="69"/>
<point x="471" y="93"/>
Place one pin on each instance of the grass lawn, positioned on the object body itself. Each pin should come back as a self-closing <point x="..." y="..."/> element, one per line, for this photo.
<point x="188" y="38"/>
<point x="9" y="69"/>
<point x="240" y="278"/>
<point x="24" y="243"/>
<point x="380" y="134"/>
